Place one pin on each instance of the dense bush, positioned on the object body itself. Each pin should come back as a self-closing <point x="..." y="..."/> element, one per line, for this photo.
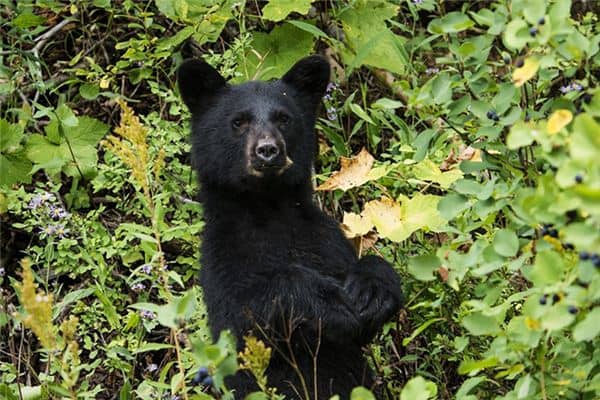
<point x="467" y="140"/>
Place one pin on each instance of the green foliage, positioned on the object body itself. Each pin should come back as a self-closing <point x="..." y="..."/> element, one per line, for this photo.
<point x="483" y="188"/>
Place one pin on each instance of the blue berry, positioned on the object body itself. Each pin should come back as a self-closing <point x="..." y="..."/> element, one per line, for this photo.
<point x="200" y="376"/>
<point x="533" y="31"/>
<point x="553" y="233"/>
<point x="595" y="259"/>
<point x="541" y="21"/>
<point x="544" y="299"/>
<point x="491" y="114"/>
<point x="578" y="178"/>
<point x="555" y="298"/>
<point x="572" y="309"/>
<point x="208" y="381"/>
<point x="584" y="256"/>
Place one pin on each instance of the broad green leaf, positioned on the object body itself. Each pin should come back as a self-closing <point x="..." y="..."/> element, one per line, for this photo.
<point x="548" y="268"/>
<point x="371" y="42"/>
<point x="277" y="10"/>
<point x="66" y="116"/>
<point x="452" y="22"/>
<point x="506" y="243"/>
<point x="27" y="20"/>
<point x="361" y="393"/>
<point x="452" y="204"/>
<point x="589" y="327"/>
<point x="275" y="53"/>
<point x="316" y="32"/>
<point x="10" y="136"/>
<point x="419" y="388"/>
<point x="89" y="91"/>
<point x="585" y="141"/>
<point x="479" y="324"/>
<point x="470" y="366"/>
<point x="557" y="317"/>
<point x="521" y="134"/>
<point x="14" y="168"/>
<point x="423" y="267"/>
<point x="516" y="34"/>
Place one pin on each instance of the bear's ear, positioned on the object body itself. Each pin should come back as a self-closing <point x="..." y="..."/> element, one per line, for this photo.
<point x="310" y="77"/>
<point x="198" y="82"/>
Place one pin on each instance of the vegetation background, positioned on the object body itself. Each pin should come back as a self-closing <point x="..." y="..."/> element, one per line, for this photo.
<point x="460" y="140"/>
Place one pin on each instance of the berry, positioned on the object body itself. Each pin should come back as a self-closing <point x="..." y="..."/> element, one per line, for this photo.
<point x="491" y="114"/>
<point x="595" y="258"/>
<point x="200" y="376"/>
<point x="520" y="63"/>
<point x="544" y="299"/>
<point x="555" y="298"/>
<point x="572" y="310"/>
<point x="584" y="256"/>
<point x="568" y="246"/>
<point x="208" y="381"/>
<point x="541" y="21"/>
<point x="506" y="60"/>
<point x="545" y="229"/>
<point x="496" y="118"/>
<point x="533" y="31"/>
<point x="553" y="233"/>
<point x="587" y="98"/>
<point x="578" y="178"/>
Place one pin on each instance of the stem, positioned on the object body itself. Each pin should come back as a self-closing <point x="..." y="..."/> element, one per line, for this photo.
<point x="179" y="363"/>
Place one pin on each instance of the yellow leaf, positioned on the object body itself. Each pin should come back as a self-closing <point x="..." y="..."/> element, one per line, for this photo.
<point x="385" y="214"/>
<point x="354" y="172"/>
<point x="526" y="72"/>
<point x="355" y="225"/>
<point x="558" y="120"/>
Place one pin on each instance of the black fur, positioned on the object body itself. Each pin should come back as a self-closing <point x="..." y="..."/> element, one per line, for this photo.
<point x="273" y="264"/>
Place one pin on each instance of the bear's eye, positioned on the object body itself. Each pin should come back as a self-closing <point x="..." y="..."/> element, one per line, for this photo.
<point x="283" y="119"/>
<point x="237" y="123"/>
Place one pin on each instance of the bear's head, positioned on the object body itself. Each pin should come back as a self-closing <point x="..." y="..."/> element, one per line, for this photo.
<point x="255" y="135"/>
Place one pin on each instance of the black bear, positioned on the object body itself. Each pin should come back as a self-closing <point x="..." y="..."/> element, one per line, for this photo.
<point x="273" y="264"/>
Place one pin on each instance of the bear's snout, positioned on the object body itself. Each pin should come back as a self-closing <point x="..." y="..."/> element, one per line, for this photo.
<point x="266" y="150"/>
<point x="267" y="155"/>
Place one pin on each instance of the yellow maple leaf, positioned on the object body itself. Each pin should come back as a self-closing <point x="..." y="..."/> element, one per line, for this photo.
<point x="558" y="120"/>
<point x="526" y="72"/>
<point x="355" y="225"/>
<point x="354" y="172"/>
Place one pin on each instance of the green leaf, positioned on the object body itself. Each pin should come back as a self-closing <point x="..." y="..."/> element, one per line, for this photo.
<point x="520" y="135"/>
<point x="418" y="388"/>
<point x="516" y="35"/>
<point x="10" y="136"/>
<point x="479" y="324"/>
<point x="66" y="116"/>
<point x="585" y="141"/>
<point x="27" y="20"/>
<point x="89" y="91"/>
<point x="361" y="393"/>
<point x="557" y="317"/>
<point x="506" y="243"/>
<point x="275" y="53"/>
<point x="423" y="267"/>
<point x="548" y="268"/>
<point x="316" y="32"/>
<point x="277" y="10"/>
<point x="14" y="168"/>
<point x="452" y="22"/>
<point x="452" y="204"/>
<point x="589" y="327"/>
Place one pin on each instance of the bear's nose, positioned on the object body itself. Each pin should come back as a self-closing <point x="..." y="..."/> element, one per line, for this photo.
<point x="266" y="150"/>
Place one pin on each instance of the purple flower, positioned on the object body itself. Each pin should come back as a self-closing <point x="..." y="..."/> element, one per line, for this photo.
<point x="60" y="230"/>
<point x="147" y="314"/>
<point x="57" y="212"/>
<point x="331" y="114"/>
<point x="35" y="202"/>
<point x="432" y="70"/>
<point x="138" y="287"/>
<point x="572" y="87"/>
<point x="146" y="268"/>
<point x="49" y="230"/>
<point x="331" y="86"/>
<point x="418" y="1"/>
<point x="2" y="271"/>
<point x="327" y="97"/>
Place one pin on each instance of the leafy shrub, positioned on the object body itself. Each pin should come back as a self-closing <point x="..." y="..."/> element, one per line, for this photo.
<point x="458" y="139"/>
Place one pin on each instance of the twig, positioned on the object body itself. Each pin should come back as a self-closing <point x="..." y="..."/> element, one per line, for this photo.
<point x="43" y="38"/>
